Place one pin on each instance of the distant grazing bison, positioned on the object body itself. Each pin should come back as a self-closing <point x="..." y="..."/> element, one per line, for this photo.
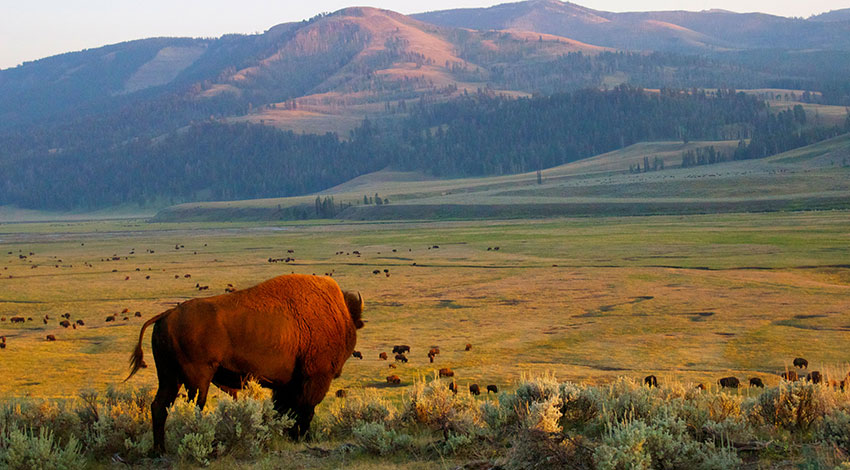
<point x="453" y="387"/>
<point x="729" y="382"/>
<point x="293" y="333"/>
<point x="756" y="382"/>
<point x="17" y="319"/>
<point x="801" y="363"/>
<point x="383" y="356"/>
<point x="51" y="338"/>
<point x="341" y="393"/>
<point x="434" y="351"/>
<point x="401" y="349"/>
<point x="80" y="322"/>
<point x="65" y="324"/>
<point x="446" y="372"/>
<point x="468" y="347"/>
<point x="357" y="354"/>
<point x="400" y="358"/>
<point x="650" y="381"/>
<point x="700" y="386"/>
<point x="394" y="379"/>
<point x="110" y="318"/>
<point x="431" y="358"/>
<point x="790" y="376"/>
<point x="814" y="377"/>
<point x="492" y="388"/>
<point x="473" y="389"/>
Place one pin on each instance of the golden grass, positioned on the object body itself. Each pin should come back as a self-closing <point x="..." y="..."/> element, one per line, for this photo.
<point x="685" y="298"/>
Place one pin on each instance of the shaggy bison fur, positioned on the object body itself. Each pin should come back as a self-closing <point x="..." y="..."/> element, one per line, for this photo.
<point x="446" y="372"/>
<point x="650" y="381"/>
<point x="292" y="334"/>
<point x="801" y="363"/>
<point x="473" y="389"/>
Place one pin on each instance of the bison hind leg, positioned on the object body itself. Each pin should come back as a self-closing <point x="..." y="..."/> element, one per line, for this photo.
<point x="166" y="393"/>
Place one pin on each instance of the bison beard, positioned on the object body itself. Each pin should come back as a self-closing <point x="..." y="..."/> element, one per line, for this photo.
<point x="292" y="334"/>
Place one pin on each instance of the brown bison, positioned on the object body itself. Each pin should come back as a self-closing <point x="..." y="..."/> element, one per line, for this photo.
<point x="394" y="379"/>
<point x="401" y="358"/>
<point x="292" y="333"/>
<point x="468" y="347"/>
<point x="473" y="389"/>
<point x="446" y="372"/>
<point x="110" y="318"/>
<point x="80" y="322"/>
<point x="51" y="338"/>
<point x="814" y="377"/>
<point x="431" y="357"/>
<point x="700" y="386"/>
<point x="801" y="363"/>
<point x="17" y="319"/>
<point x="756" y="382"/>
<point x="492" y="388"/>
<point x="650" y="381"/>
<point x="401" y="349"/>
<point x="341" y="393"/>
<point x="434" y="351"/>
<point x="65" y="323"/>
<point x="382" y="356"/>
<point x="453" y="387"/>
<point x="357" y="354"/>
<point x="729" y="382"/>
<point x="790" y="376"/>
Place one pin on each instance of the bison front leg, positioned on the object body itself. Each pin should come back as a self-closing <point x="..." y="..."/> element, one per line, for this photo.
<point x="300" y="400"/>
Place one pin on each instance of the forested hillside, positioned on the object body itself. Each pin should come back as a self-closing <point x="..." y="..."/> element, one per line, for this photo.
<point x="478" y="134"/>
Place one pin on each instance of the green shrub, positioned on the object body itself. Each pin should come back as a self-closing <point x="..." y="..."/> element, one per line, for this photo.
<point x="433" y="405"/>
<point x="119" y="424"/>
<point x="191" y="432"/>
<point x="375" y="438"/>
<point x="795" y="405"/>
<point x="361" y="406"/>
<point x="836" y="431"/>
<point x="27" y="450"/>
<point x="246" y="427"/>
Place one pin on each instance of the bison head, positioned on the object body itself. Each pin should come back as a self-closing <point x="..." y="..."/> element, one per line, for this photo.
<point x="354" y="302"/>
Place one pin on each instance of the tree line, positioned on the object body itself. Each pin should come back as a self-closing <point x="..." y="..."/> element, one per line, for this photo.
<point x="478" y="134"/>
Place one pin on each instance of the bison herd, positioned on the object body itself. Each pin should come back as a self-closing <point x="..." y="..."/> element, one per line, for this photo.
<point x="814" y="377"/>
<point x="65" y="322"/>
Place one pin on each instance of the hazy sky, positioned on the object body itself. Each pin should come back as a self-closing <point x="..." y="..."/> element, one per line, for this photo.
<point x="32" y="29"/>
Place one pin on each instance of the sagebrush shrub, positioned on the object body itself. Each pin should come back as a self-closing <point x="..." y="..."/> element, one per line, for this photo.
<point x="118" y="424"/>
<point x="433" y="405"/>
<point x="246" y="427"/>
<point x="360" y="406"/>
<point x="375" y="438"/>
<point x="28" y="450"/>
<point x="795" y="405"/>
<point x="191" y="432"/>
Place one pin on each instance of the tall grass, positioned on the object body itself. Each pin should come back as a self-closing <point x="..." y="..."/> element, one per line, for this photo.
<point x="542" y="423"/>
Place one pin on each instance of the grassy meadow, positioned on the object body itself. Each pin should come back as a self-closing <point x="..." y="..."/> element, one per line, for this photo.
<point x="688" y="298"/>
<point x="594" y="301"/>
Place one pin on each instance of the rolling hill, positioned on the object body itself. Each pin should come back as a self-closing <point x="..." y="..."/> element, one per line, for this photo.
<point x="679" y="31"/>
<point x="160" y="121"/>
<point x="812" y="177"/>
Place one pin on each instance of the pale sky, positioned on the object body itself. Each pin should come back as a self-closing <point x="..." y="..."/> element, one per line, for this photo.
<point x="33" y="29"/>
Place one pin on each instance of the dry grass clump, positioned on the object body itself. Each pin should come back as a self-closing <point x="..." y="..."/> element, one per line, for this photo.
<point x="359" y="407"/>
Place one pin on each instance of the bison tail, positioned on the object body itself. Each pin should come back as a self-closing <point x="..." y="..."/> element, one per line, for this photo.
<point x="137" y="360"/>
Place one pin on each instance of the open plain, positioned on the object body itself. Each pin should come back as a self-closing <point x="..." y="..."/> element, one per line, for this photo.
<point x="687" y="298"/>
